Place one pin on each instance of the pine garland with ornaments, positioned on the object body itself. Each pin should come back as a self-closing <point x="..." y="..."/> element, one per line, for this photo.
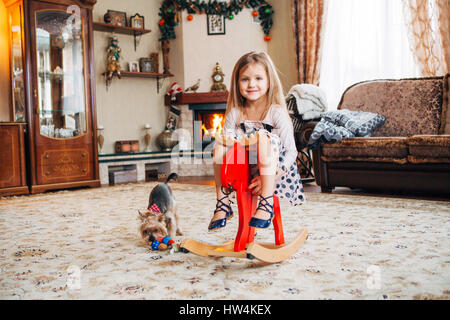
<point x="170" y="13"/>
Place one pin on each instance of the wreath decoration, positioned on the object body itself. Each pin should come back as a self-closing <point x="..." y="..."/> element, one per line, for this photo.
<point x="170" y="13"/>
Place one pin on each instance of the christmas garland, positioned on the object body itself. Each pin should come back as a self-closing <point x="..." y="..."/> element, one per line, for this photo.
<point x="170" y="13"/>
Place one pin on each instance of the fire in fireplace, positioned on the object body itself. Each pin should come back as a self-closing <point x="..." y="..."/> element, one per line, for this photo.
<point x="208" y="122"/>
<point x="212" y="124"/>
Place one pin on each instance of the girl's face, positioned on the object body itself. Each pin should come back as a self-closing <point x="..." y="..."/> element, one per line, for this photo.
<point x="253" y="82"/>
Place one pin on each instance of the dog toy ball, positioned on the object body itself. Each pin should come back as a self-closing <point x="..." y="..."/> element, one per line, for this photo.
<point x="162" y="243"/>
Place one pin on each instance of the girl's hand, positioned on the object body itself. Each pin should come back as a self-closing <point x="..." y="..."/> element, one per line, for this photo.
<point x="255" y="186"/>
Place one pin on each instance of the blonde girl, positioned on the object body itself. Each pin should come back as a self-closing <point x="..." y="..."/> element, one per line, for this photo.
<point x="256" y="103"/>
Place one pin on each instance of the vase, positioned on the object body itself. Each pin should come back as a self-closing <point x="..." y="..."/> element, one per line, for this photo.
<point x="165" y="140"/>
<point x="101" y="140"/>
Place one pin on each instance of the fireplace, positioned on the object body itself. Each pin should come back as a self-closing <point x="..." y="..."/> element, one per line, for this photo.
<point x="208" y="119"/>
<point x="198" y="109"/>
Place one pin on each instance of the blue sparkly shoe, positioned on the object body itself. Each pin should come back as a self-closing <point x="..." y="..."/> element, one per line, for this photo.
<point x="265" y="206"/>
<point x="221" y="206"/>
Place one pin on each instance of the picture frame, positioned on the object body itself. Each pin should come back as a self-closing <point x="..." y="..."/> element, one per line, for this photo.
<point x="137" y="21"/>
<point x="215" y="24"/>
<point x="118" y="18"/>
<point x="133" y="66"/>
<point x="146" y="65"/>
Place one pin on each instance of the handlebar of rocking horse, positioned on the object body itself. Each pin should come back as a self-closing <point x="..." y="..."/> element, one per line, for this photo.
<point x="229" y="140"/>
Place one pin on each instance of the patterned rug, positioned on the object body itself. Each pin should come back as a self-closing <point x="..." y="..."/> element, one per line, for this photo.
<point x="84" y="244"/>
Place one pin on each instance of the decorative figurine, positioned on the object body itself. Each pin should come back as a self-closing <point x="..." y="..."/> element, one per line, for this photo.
<point x="113" y="57"/>
<point x="165" y="48"/>
<point x="194" y="87"/>
<point x="147" y="128"/>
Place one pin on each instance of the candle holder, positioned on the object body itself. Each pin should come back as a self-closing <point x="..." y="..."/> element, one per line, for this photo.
<point x="147" y="137"/>
<point x="100" y="139"/>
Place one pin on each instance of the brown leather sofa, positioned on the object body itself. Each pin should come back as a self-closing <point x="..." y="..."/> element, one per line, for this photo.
<point x="409" y="153"/>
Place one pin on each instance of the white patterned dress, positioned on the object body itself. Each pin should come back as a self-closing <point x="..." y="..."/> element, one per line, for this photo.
<point x="277" y="126"/>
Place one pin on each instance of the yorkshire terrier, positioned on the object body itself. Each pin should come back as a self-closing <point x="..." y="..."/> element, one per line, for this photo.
<point x="161" y="218"/>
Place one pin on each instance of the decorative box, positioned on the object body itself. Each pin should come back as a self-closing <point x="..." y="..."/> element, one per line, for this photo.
<point x="125" y="146"/>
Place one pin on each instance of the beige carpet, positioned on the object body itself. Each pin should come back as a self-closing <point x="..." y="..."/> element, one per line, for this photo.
<point x="84" y="244"/>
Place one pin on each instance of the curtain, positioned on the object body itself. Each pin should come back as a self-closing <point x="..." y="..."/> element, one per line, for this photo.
<point x="309" y="25"/>
<point x="429" y="34"/>
<point x="364" y="40"/>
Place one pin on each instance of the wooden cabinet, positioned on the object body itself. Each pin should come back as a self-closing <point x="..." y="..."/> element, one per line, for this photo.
<point x="58" y="91"/>
<point x="12" y="159"/>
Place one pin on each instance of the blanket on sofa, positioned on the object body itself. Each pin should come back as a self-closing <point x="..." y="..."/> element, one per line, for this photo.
<point x="310" y="100"/>
<point x="344" y="123"/>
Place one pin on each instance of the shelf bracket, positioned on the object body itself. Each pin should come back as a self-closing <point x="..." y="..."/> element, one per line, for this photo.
<point x="136" y="40"/>
<point x="158" y="84"/>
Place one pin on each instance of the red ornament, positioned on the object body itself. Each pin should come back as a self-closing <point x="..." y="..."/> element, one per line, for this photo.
<point x="190" y="17"/>
<point x="267" y="38"/>
<point x="255" y="13"/>
<point x="161" y="22"/>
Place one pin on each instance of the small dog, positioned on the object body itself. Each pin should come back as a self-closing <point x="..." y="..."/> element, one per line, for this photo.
<point x="161" y="217"/>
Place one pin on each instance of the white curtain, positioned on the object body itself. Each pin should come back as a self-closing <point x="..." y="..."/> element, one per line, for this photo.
<point x="364" y="40"/>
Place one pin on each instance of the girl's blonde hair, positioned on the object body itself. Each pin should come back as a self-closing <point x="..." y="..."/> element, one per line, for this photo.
<point x="275" y="91"/>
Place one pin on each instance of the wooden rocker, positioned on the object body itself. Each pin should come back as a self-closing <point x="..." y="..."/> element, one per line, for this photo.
<point x="235" y="174"/>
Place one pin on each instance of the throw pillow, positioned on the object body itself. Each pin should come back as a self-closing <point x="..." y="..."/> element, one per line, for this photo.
<point x="360" y="123"/>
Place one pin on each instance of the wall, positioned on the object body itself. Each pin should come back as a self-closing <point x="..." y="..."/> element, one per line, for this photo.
<point x="4" y="66"/>
<point x="282" y="47"/>
<point x="201" y="51"/>
<point x="129" y="103"/>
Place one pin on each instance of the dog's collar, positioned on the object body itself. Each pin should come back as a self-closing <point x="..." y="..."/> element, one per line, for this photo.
<point x="154" y="207"/>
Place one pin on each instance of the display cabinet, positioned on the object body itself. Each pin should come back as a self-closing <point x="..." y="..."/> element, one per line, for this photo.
<point x="53" y="90"/>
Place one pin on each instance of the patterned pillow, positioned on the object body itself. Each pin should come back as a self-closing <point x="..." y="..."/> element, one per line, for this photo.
<point x="328" y="132"/>
<point x="360" y="123"/>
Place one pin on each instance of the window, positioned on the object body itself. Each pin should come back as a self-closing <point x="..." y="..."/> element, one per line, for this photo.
<point x="364" y="40"/>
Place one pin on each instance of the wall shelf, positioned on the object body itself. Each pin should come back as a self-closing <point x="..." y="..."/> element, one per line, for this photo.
<point x="106" y="27"/>
<point x="155" y="75"/>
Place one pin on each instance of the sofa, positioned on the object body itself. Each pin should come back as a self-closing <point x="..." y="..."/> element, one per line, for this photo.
<point x="409" y="153"/>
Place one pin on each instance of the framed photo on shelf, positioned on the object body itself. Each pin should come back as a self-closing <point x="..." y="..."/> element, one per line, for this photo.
<point x="133" y="66"/>
<point x="137" y="21"/>
<point x="118" y="18"/>
<point x="215" y="24"/>
<point x="146" y="65"/>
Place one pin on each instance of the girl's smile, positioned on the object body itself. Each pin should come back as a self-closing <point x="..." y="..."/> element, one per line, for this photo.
<point x="253" y="82"/>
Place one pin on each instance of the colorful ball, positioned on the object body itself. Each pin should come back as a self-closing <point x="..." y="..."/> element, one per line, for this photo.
<point x="267" y="38"/>
<point x="267" y="10"/>
<point x="161" y="22"/>
<point x="255" y="13"/>
<point x="190" y="17"/>
<point x="231" y="17"/>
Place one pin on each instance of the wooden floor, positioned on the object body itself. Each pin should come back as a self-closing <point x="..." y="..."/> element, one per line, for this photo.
<point x="313" y="187"/>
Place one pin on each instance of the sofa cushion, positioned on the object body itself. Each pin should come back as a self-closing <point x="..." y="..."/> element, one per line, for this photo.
<point x="411" y="106"/>
<point x="392" y="149"/>
<point x="429" y="148"/>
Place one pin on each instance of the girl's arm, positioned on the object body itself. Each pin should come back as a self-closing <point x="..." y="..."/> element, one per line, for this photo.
<point x="230" y="122"/>
<point x="283" y="122"/>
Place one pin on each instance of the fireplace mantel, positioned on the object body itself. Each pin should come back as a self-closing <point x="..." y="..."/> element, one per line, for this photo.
<point x="197" y="98"/>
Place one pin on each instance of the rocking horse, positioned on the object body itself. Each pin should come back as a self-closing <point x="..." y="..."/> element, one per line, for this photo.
<point x="235" y="175"/>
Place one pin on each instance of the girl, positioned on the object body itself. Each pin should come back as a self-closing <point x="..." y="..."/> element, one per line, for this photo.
<point x="256" y="103"/>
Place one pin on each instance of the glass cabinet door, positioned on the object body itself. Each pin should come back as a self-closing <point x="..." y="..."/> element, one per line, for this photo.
<point x="60" y="74"/>
<point x="18" y="91"/>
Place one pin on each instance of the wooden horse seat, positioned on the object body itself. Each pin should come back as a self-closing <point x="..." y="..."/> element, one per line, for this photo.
<point x="235" y="174"/>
